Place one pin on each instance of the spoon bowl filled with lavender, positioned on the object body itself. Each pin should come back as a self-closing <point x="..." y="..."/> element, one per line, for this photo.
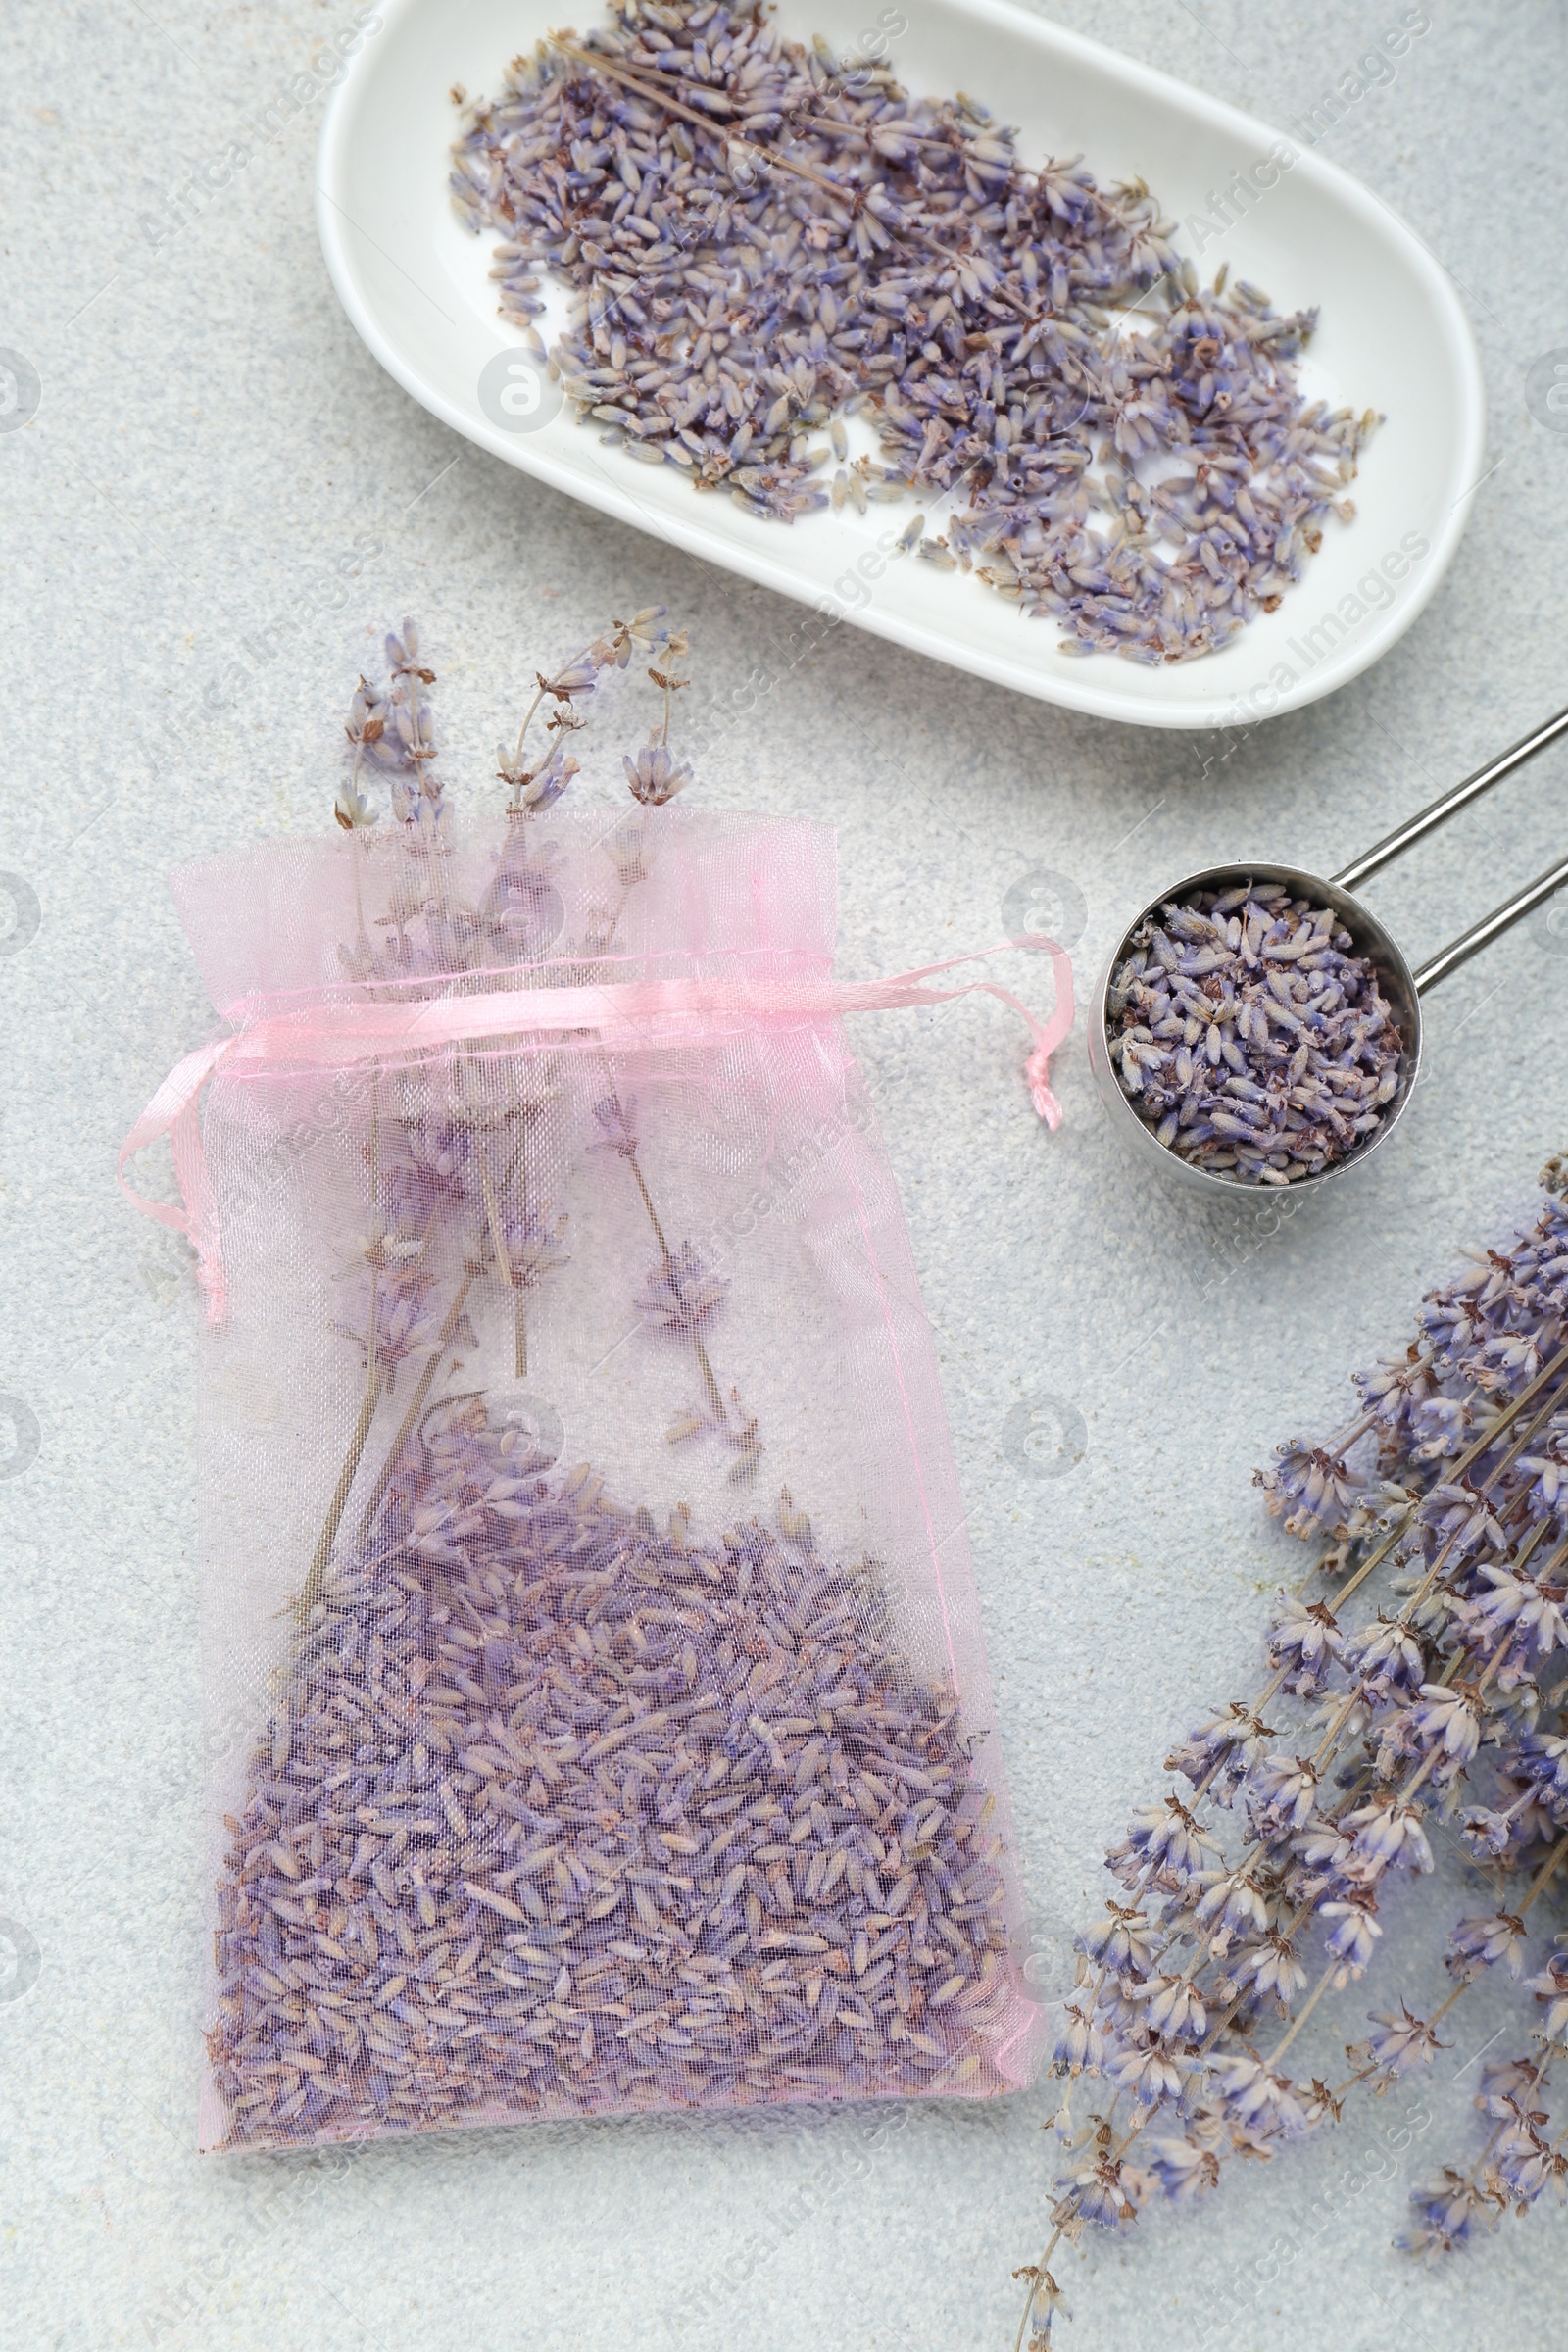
<point x="1257" y="1025"/>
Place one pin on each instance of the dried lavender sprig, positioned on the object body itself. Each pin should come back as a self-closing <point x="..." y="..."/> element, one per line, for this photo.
<point x="653" y="775"/>
<point x="1517" y="2162"/>
<point x="537" y="788"/>
<point x="378" y="1366"/>
<point x="682" y="1294"/>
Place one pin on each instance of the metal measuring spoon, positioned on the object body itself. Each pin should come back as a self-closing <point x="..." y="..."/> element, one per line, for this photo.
<point x="1403" y="985"/>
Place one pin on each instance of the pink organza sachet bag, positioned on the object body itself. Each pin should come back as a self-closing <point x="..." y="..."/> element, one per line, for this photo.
<point x="598" y="1719"/>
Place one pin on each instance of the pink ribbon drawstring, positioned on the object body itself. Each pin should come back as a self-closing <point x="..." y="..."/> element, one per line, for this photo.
<point x="327" y="1033"/>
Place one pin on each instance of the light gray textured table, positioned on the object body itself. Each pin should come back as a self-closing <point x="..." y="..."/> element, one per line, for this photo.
<point x="212" y="443"/>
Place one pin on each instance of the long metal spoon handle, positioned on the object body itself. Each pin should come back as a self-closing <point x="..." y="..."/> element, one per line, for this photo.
<point x="1426" y="820"/>
<point x="1491" y="926"/>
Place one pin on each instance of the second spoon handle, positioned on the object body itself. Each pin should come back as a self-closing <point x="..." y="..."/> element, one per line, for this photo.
<point x="1426" y="820"/>
<point x="1491" y="926"/>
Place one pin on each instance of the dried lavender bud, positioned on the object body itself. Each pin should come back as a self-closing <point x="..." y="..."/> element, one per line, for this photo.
<point x="654" y="777"/>
<point x="1248" y="1034"/>
<point x="559" y="1814"/>
<point x="758" y="243"/>
<point x="682" y="1291"/>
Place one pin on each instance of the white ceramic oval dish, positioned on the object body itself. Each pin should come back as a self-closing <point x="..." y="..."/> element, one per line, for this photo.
<point x="1393" y="336"/>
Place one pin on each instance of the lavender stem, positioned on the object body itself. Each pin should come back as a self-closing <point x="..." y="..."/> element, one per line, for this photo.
<point x="385" y="1474"/>
<point x="310" y="1588"/>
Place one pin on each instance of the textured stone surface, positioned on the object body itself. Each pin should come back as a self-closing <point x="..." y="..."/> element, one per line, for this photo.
<point x="211" y="442"/>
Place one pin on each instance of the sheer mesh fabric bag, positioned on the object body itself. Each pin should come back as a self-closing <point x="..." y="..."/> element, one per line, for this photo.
<point x="597" y="1709"/>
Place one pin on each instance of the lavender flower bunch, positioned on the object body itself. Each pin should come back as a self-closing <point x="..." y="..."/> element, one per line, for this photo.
<point x="761" y="244"/>
<point x="1261" y="1891"/>
<point x="454" y="1180"/>
<point x="562" y="1810"/>
<point x="464" y="1164"/>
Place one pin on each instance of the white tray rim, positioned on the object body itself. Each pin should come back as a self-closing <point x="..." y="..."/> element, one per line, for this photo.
<point x="1087" y="686"/>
